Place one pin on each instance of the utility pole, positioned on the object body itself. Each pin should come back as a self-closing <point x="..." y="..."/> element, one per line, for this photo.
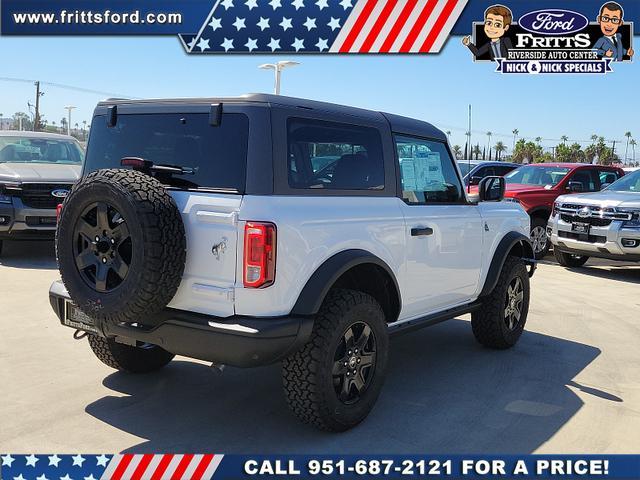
<point x="36" y="120"/>
<point x="69" y="108"/>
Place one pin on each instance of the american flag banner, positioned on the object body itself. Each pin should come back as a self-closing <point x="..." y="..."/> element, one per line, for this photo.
<point x="109" y="467"/>
<point x="326" y="26"/>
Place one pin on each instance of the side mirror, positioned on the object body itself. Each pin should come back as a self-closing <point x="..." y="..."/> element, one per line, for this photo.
<point x="475" y="180"/>
<point x="491" y="189"/>
<point x="575" y="187"/>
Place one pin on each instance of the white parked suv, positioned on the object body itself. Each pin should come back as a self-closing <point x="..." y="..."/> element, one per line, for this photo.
<point x="247" y="231"/>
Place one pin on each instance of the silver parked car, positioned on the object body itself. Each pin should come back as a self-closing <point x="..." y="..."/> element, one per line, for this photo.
<point x="37" y="171"/>
<point x="603" y="224"/>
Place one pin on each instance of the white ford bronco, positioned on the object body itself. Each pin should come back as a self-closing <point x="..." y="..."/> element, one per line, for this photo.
<point x="260" y="229"/>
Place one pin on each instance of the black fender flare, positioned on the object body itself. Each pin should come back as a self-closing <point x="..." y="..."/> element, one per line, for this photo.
<point x="506" y="245"/>
<point x="317" y="287"/>
<point x="540" y="212"/>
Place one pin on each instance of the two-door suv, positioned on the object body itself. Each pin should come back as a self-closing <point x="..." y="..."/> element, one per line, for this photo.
<point x="247" y="231"/>
<point x="537" y="186"/>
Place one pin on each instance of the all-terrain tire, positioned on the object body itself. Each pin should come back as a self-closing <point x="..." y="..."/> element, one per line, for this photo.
<point x="127" y="358"/>
<point x="569" y="260"/>
<point x="490" y="323"/>
<point x="157" y="248"/>
<point x="309" y="384"/>
<point x="539" y="224"/>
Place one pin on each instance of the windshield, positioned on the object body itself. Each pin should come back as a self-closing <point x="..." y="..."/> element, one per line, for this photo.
<point x="465" y="168"/>
<point x="541" y="176"/>
<point x="21" y="149"/>
<point x="218" y="154"/>
<point x="628" y="183"/>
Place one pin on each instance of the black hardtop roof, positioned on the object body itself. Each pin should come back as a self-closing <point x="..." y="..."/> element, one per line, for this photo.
<point x="398" y="123"/>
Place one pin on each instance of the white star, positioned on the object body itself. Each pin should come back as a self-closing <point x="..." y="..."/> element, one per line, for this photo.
<point x="298" y="44"/>
<point x="263" y="24"/>
<point x="19" y="477"/>
<point x="322" y="44"/>
<point x="192" y="43"/>
<point x="54" y="460"/>
<point x="286" y="23"/>
<point x="274" y="44"/>
<point x="66" y="477"/>
<point x="227" y="44"/>
<point x="310" y="23"/>
<point x="7" y="460"/>
<point x="251" y="44"/>
<point x="251" y="4"/>
<point x="42" y="477"/>
<point x="346" y="4"/>
<point x="215" y="23"/>
<point x="275" y="3"/>
<point x="322" y="4"/>
<point x="102" y="460"/>
<point x="239" y="24"/>
<point x="78" y="460"/>
<point x="298" y="4"/>
<point x="227" y="4"/>
<point x="32" y="460"/>
<point x="90" y="477"/>
<point x="203" y="44"/>
<point x="334" y="23"/>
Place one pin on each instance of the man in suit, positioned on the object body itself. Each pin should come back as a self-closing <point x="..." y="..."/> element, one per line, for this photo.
<point x="497" y="20"/>
<point x="610" y="46"/>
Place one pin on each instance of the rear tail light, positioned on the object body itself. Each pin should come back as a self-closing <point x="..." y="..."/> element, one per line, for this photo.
<point x="259" y="264"/>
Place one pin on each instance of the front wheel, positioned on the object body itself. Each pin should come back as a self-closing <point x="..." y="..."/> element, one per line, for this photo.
<point x="539" y="239"/>
<point x="500" y="321"/>
<point x="569" y="260"/>
<point x="126" y="358"/>
<point x="334" y="381"/>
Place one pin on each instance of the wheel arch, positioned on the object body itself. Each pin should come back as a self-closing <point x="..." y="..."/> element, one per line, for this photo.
<point x="356" y="269"/>
<point x="512" y="244"/>
<point x="540" y="212"/>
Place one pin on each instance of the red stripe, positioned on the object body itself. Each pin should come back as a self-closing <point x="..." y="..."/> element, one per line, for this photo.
<point x="202" y="466"/>
<point x="375" y="31"/>
<point x="357" y="27"/>
<point x="397" y="28"/>
<point x="142" y="466"/>
<point x="122" y="466"/>
<point x="162" y="466"/>
<point x="439" y="25"/>
<point x="182" y="466"/>
<point x="420" y="22"/>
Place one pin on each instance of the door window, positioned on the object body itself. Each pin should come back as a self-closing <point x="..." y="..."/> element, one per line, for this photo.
<point x="427" y="172"/>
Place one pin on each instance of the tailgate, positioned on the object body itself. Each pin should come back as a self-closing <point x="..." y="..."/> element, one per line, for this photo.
<point x="210" y="222"/>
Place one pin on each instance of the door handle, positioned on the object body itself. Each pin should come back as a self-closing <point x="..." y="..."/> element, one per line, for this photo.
<point x="421" y="231"/>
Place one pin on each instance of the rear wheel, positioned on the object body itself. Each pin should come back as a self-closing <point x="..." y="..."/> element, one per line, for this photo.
<point x="500" y="321"/>
<point x="539" y="239"/>
<point x="334" y="381"/>
<point x="569" y="260"/>
<point x="143" y="359"/>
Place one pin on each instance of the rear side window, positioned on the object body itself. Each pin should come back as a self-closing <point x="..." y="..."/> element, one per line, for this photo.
<point x="217" y="154"/>
<point x="326" y="155"/>
<point x="427" y="172"/>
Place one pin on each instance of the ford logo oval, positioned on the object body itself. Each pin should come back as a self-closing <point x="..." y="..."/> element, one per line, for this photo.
<point x="553" y="22"/>
<point x="584" y="212"/>
<point x="60" y="193"/>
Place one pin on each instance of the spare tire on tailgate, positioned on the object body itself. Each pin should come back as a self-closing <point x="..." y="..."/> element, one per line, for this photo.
<point x="121" y="246"/>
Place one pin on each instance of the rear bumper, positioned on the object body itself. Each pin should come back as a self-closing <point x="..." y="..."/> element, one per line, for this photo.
<point x="237" y="341"/>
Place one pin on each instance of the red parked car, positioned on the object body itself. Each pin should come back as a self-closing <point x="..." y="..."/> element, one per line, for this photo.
<point x="537" y="186"/>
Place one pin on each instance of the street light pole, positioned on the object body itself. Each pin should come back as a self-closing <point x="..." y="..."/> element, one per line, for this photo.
<point x="277" y="69"/>
<point x="69" y="108"/>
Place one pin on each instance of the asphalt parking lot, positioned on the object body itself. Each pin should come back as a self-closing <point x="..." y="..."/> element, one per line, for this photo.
<point x="570" y="386"/>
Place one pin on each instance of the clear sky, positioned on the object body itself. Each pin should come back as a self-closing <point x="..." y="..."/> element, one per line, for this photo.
<point x="436" y="88"/>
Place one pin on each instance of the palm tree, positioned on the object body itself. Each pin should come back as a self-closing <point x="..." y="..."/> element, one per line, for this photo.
<point x="594" y="138"/>
<point x="633" y="144"/>
<point x="448" y="133"/>
<point x="500" y="148"/>
<point x="457" y="151"/>
<point x="1" y="124"/>
<point x="489" y="134"/>
<point x="627" y="134"/>
<point x="477" y="151"/>
<point x="538" y="140"/>
<point x="515" y="132"/>
<point x="564" y="139"/>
